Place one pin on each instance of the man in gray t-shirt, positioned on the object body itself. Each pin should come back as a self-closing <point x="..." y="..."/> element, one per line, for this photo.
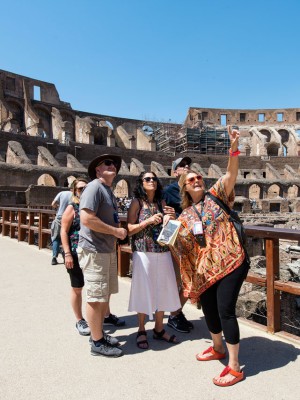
<point x="60" y="202"/>
<point x="100" y="229"/>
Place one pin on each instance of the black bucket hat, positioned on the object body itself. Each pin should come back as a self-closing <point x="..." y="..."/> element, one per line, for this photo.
<point x="96" y="161"/>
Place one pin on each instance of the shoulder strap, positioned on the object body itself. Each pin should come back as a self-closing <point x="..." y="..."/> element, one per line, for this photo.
<point x="219" y="202"/>
<point x="140" y="207"/>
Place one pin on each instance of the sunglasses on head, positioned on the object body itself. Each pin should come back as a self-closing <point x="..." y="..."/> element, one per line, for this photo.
<point x="150" y="178"/>
<point x="108" y="163"/>
<point x="193" y="179"/>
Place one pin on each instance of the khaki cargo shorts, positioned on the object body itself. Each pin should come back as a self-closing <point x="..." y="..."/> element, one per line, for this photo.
<point x="100" y="274"/>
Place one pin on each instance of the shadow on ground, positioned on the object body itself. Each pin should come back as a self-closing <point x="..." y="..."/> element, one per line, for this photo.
<point x="261" y="354"/>
<point x="200" y="331"/>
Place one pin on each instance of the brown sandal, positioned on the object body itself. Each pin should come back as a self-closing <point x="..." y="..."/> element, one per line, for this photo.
<point x="145" y="341"/>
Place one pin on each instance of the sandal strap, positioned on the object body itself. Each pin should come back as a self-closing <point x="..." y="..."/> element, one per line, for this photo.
<point x="159" y="334"/>
<point x="209" y="350"/>
<point x="142" y="342"/>
<point x="228" y="370"/>
<point x="141" y="333"/>
<point x="172" y="339"/>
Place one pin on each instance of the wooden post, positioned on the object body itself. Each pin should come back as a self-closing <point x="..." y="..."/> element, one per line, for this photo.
<point x="43" y="224"/>
<point x="124" y="254"/>
<point x="13" y="222"/>
<point x="5" y="220"/>
<point x="273" y="296"/>
<point x="30" y="228"/>
<point x="22" y="218"/>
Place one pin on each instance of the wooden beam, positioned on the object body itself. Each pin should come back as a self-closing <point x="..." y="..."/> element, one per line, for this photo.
<point x="273" y="295"/>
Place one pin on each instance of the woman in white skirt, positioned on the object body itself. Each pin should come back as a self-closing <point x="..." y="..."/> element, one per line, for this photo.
<point x="153" y="287"/>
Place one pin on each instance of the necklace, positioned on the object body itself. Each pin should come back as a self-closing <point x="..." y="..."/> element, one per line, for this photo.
<point x="151" y="207"/>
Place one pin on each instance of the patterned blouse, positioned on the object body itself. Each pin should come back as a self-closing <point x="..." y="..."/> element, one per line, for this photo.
<point x="202" y="267"/>
<point x="74" y="229"/>
<point x="145" y="240"/>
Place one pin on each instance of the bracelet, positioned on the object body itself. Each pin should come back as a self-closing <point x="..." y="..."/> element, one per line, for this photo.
<point x="234" y="153"/>
<point x="68" y="254"/>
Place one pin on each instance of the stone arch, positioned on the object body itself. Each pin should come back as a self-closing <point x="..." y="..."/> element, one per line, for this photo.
<point x="101" y="130"/>
<point x="285" y="138"/>
<point x="285" y="135"/>
<point x="109" y="124"/>
<point x="17" y="110"/>
<point x="45" y="124"/>
<point x="121" y="189"/>
<point x="46" y="180"/>
<point x="273" y="191"/>
<point x="272" y="149"/>
<point x="69" y="120"/>
<point x="255" y="192"/>
<point x="266" y="133"/>
<point x="69" y="180"/>
<point x="292" y="192"/>
<point x="148" y="129"/>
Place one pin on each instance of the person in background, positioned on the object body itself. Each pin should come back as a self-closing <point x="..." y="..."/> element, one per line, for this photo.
<point x="99" y="231"/>
<point x="60" y="203"/>
<point x="177" y="319"/>
<point x="213" y="263"/>
<point x="70" y="226"/>
<point x="153" y="285"/>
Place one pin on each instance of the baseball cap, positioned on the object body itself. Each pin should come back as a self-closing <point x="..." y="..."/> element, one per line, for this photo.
<point x="176" y="163"/>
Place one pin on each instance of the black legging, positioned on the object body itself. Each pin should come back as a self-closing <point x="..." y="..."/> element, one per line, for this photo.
<point x="219" y="302"/>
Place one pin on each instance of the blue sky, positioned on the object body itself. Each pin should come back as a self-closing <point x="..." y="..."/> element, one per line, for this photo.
<point x="154" y="59"/>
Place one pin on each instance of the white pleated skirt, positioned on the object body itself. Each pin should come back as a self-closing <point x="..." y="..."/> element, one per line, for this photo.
<point x="153" y="285"/>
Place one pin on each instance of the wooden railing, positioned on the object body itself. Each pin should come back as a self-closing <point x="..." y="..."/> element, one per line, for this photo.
<point x="24" y="224"/>
<point x="27" y="224"/>
<point x="274" y="285"/>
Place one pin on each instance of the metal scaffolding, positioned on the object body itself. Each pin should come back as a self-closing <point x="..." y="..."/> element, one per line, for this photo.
<point x="205" y="140"/>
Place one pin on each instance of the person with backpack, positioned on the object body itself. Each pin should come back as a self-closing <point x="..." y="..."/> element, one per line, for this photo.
<point x="70" y="226"/>
<point x="212" y="259"/>
<point x="153" y="286"/>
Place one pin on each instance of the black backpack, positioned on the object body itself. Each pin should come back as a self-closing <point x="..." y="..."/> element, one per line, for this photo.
<point x="236" y="221"/>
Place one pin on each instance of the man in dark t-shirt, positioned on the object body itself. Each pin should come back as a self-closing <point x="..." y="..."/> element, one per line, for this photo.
<point x="172" y="192"/>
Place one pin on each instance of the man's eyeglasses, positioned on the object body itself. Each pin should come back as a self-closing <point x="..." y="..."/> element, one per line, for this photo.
<point x="108" y="163"/>
<point x="193" y="179"/>
<point x="150" y="178"/>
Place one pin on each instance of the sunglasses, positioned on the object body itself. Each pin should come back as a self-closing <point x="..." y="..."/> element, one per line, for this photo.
<point x="150" y="178"/>
<point x="193" y="179"/>
<point x="108" y="163"/>
<point x="80" y="189"/>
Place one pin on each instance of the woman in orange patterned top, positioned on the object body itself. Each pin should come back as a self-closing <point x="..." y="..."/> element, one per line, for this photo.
<point x="212" y="261"/>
